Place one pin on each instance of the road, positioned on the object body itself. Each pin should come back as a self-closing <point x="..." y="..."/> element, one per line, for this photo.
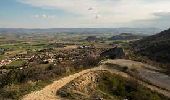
<point x="146" y="72"/>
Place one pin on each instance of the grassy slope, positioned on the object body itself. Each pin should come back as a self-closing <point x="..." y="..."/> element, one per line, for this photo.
<point x="109" y="87"/>
<point x="156" y="47"/>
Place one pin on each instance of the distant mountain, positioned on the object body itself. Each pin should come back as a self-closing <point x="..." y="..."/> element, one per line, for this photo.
<point x="126" y="36"/>
<point x="83" y="30"/>
<point x="156" y="47"/>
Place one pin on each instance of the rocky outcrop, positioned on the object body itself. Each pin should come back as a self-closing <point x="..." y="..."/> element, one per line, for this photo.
<point x="113" y="53"/>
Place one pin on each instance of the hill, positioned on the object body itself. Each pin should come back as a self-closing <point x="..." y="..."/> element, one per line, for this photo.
<point x="156" y="47"/>
<point x="103" y="85"/>
<point x="126" y="36"/>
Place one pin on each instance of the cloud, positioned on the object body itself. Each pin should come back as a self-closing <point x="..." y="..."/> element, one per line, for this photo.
<point x="161" y="20"/>
<point x="44" y="16"/>
<point x="102" y="12"/>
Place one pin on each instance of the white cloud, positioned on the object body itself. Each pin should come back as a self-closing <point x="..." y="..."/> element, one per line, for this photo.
<point x="102" y="12"/>
<point x="44" y="16"/>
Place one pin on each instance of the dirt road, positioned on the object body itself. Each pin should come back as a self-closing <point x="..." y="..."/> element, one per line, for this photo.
<point x="49" y="92"/>
<point x="155" y="78"/>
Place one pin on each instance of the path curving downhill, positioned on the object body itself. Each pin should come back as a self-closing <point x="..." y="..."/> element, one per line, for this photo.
<point x="49" y="92"/>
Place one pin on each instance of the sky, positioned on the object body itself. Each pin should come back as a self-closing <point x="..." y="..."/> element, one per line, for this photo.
<point x="84" y="13"/>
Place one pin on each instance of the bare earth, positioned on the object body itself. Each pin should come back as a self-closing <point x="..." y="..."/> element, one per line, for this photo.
<point x="49" y="92"/>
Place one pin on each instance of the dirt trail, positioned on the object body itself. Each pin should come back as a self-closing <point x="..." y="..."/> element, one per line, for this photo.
<point x="131" y="64"/>
<point x="49" y="92"/>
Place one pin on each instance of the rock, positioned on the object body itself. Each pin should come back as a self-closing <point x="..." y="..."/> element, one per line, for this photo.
<point x="113" y="53"/>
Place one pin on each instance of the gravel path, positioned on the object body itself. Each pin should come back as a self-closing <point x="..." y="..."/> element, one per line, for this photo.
<point x="156" y="78"/>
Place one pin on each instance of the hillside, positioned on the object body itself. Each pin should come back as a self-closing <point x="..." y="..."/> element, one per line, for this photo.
<point x="103" y="85"/>
<point x="156" y="47"/>
<point x="126" y="36"/>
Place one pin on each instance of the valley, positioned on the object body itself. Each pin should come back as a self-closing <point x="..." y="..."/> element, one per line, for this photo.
<point x="65" y="66"/>
<point x="84" y="50"/>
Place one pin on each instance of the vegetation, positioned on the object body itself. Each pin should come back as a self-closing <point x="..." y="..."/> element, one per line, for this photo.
<point x="107" y="86"/>
<point x="126" y="36"/>
<point x="15" y="64"/>
<point x="15" y="91"/>
<point x="17" y="82"/>
<point x="28" y="62"/>
<point x="154" y="48"/>
<point x="126" y="89"/>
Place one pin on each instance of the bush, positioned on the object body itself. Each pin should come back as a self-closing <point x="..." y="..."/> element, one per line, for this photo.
<point x="129" y="89"/>
<point x="15" y="64"/>
<point x="87" y="62"/>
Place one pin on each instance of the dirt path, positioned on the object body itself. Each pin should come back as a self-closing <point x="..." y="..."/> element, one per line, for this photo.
<point x="131" y="64"/>
<point x="49" y="92"/>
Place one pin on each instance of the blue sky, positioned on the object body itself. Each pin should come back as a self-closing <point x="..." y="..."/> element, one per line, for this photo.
<point x="84" y="13"/>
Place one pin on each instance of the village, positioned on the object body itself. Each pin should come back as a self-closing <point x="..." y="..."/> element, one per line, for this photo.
<point x="55" y="56"/>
